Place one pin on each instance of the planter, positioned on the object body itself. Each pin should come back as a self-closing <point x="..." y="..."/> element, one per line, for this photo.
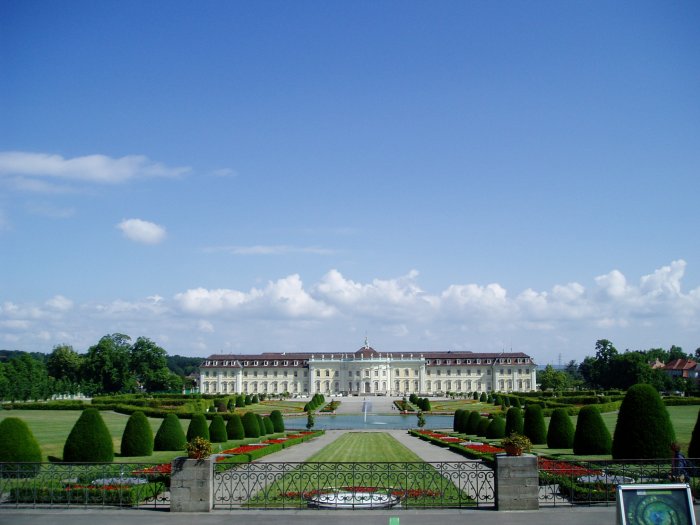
<point x="513" y="450"/>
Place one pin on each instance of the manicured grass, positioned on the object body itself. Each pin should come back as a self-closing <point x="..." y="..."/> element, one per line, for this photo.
<point x="265" y="407"/>
<point x="363" y="462"/>
<point x="465" y="404"/>
<point x="364" y="446"/>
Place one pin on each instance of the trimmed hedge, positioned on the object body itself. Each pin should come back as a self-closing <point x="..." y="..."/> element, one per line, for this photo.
<point x="170" y="435"/>
<point x="137" y="438"/>
<point x="217" y="430"/>
<point x="198" y="428"/>
<point x="694" y="447"/>
<point x="456" y="425"/>
<point x="514" y="421"/>
<point x="234" y="427"/>
<point x="496" y="429"/>
<point x="561" y="430"/>
<point x="261" y="425"/>
<point x="269" y="427"/>
<point x="89" y="440"/>
<point x="17" y="444"/>
<point x="592" y="436"/>
<point x="277" y="420"/>
<point x="473" y="422"/>
<point x="251" y="427"/>
<point x="643" y="429"/>
<point x="534" y="426"/>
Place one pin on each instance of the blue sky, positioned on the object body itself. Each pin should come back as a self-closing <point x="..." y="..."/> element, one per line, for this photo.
<point x="263" y="176"/>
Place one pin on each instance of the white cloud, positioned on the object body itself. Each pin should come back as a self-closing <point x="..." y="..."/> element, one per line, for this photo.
<point x="285" y="297"/>
<point x="60" y="303"/>
<point x="29" y="166"/>
<point x="287" y="315"/>
<point x="142" y="231"/>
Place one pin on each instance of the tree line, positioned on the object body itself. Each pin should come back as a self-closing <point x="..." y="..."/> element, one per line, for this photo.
<point x="116" y="364"/>
<point x="611" y="369"/>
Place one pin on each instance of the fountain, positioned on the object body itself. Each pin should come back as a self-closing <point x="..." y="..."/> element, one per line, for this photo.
<point x="366" y="406"/>
<point x="353" y="500"/>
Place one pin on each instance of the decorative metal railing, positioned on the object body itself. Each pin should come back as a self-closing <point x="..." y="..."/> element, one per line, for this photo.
<point x="595" y="482"/>
<point x="84" y="485"/>
<point x="353" y="485"/>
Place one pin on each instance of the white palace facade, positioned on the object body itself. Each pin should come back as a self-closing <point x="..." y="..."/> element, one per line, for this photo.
<point x="367" y="372"/>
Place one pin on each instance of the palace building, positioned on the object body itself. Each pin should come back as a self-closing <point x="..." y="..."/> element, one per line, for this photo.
<point x="367" y="372"/>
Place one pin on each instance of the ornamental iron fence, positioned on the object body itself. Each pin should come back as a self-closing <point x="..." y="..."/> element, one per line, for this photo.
<point x="352" y="485"/>
<point x="595" y="482"/>
<point x="46" y="485"/>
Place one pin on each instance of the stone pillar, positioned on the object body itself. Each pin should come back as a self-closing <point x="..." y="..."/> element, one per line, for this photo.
<point x="192" y="485"/>
<point x="517" y="482"/>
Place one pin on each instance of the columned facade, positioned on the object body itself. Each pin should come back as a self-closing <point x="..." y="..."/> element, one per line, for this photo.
<point x="367" y="372"/>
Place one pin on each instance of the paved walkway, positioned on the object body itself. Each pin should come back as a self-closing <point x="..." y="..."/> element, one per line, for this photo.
<point x="570" y="516"/>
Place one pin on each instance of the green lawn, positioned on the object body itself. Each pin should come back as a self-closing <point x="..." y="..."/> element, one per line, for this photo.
<point x="364" y="446"/>
<point x="362" y="462"/>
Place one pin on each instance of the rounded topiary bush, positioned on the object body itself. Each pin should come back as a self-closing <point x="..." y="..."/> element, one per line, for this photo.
<point x="483" y="425"/>
<point x="473" y="422"/>
<point x="137" y="438"/>
<point x="464" y="421"/>
<point x="170" y="435"/>
<point x="251" y="427"/>
<point x="198" y="428"/>
<point x="694" y="447"/>
<point x="255" y="399"/>
<point x="89" y="440"/>
<point x="261" y="424"/>
<point x="240" y="401"/>
<point x="534" y="426"/>
<point x="455" y="420"/>
<point x="217" y="430"/>
<point x="592" y="436"/>
<point x="561" y="430"/>
<point x="497" y="428"/>
<point x="483" y="397"/>
<point x="277" y="421"/>
<point x="269" y="427"/>
<point x="643" y="429"/>
<point x="234" y="428"/>
<point x="514" y="421"/>
<point x="17" y="444"/>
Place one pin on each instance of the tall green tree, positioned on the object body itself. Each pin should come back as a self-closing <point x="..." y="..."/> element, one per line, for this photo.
<point x="551" y="379"/>
<point x="64" y="363"/>
<point x="149" y="364"/>
<point x="107" y="364"/>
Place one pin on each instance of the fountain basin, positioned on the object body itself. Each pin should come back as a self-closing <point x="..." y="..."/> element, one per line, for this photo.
<point x="353" y="500"/>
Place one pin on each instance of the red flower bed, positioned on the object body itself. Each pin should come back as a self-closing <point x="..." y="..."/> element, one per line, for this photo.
<point x="295" y="436"/>
<point x="415" y="493"/>
<point x="359" y="489"/>
<point x="488" y="449"/>
<point x="243" y="449"/>
<point x="562" y="468"/>
<point x="163" y="468"/>
<point x="451" y="440"/>
<point x="274" y="441"/>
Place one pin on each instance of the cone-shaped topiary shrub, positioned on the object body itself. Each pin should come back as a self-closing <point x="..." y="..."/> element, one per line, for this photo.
<point x="17" y="444"/>
<point x="217" y="430"/>
<point x="247" y="399"/>
<point x="240" y="401"/>
<point x="497" y="400"/>
<point x="455" y="420"/>
<point x="269" y="427"/>
<point x="251" y="426"/>
<point x="497" y="428"/>
<point x="464" y="421"/>
<point x="234" y="427"/>
<point x="137" y="438"/>
<point x="643" y="429"/>
<point x="534" y="426"/>
<point x="592" y="436"/>
<point x="483" y="397"/>
<point x="484" y="423"/>
<point x="473" y="422"/>
<point x="170" y="435"/>
<point x="514" y="421"/>
<point x="255" y="399"/>
<point x="561" y="430"/>
<point x="694" y="447"/>
<point x="89" y="440"/>
<point x="261" y="425"/>
<point x="277" y="420"/>
<point x="198" y="428"/>
<point x="516" y="403"/>
<point x="475" y="396"/>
